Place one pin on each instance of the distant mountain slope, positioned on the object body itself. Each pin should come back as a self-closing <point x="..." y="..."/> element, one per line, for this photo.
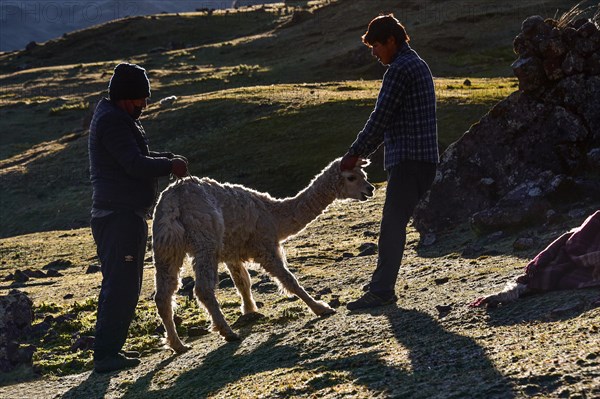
<point x="27" y="21"/>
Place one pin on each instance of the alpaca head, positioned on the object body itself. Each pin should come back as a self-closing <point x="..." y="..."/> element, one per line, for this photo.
<point x="354" y="184"/>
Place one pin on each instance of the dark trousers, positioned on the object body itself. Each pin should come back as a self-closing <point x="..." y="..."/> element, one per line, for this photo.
<point x="407" y="184"/>
<point x="121" y="243"/>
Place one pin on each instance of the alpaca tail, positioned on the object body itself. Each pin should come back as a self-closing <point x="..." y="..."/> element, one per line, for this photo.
<point x="168" y="231"/>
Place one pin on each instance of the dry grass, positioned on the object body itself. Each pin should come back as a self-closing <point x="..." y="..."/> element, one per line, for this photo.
<point x="579" y="11"/>
<point x="541" y="346"/>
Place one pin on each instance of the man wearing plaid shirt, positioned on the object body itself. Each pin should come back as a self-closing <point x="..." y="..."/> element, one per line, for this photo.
<point x="404" y="121"/>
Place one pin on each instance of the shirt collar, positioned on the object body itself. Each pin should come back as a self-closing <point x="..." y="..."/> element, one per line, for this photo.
<point x="403" y="48"/>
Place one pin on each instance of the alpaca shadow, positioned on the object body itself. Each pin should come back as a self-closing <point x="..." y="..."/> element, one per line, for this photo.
<point x="438" y="361"/>
<point x="545" y="307"/>
<point x="220" y="368"/>
<point x="96" y="386"/>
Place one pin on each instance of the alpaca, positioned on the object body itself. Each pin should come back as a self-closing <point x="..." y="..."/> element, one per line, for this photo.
<point x="227" y="223"/>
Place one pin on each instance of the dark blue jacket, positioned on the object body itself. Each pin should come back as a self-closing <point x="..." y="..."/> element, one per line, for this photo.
<point x="123" y="170"/>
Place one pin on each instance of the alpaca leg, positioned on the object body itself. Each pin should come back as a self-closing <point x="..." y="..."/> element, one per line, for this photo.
<point x="206" y="269"/>
<point x="242" y="282"/>
<point x="167" y="281"/>
<point x="276" y="265"/>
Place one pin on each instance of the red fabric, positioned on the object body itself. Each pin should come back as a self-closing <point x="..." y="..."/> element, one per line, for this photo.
<point x="569" y="261"/>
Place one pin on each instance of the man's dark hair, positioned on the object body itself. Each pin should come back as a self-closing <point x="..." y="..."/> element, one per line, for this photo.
<point x="381" y="28"/>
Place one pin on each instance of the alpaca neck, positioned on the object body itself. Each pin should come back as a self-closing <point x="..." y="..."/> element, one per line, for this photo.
<point x="295" y="213"/>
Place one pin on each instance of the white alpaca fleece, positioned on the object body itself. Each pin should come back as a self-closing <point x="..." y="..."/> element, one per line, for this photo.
<point x="227" y="223"/>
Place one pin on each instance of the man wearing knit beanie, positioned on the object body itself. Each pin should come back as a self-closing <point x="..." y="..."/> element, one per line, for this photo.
<point x="124" y="174"/>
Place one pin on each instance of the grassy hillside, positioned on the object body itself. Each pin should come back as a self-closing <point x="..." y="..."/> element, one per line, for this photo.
<point x="429" y="345"/>
<point x="260" y="79"/>
<point x="266" y="97"/>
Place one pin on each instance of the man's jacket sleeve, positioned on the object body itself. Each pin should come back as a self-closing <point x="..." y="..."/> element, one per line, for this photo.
<point x="119" y="141"/>
<point x="390" y="96"/>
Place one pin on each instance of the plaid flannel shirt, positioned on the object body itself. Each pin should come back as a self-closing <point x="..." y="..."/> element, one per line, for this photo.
<point x="404" y="118"/>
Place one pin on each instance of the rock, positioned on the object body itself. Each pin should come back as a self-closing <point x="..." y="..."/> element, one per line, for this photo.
<point x="226" y="283"/>
<point x="40" y="329"/>
<point x="20" y="277"/>
<point x="588" y="29"/>
<point x="167" y="101"/>
<point x="177" y="320"/>
<point x="335" y="302"/>
<point x="83" y="343"/>
<point x="593" y="158"/>
<point x="510" y="217"/>
<point x="68" y="296"/>
<point x="592" y="64"/>
<point x="573" y="63"/>
<point x="579" y="22"/>
<point x="187" y="281"/>
<point x="523" y="46"/>
<point x="58" y="264"/>
<point x="64" y="318"/>
<point x="196" y="331"/>
<point x="367" y="249"/>
<point x="552" y="48"/>
<point x="531" y="25"/>
<point x="443" y="310"/>
<point x="523" y="243"/>
<point x="53" y="273"/>
<point x="187" y="287"/>
<point x="553" y="68"/>
<point x="247" y="319"/>
<point x="31" y="45"/>
<point x="442" y="280"/>
<point x="530" y="72"/>
<point x="472" y="251"/>
<point x="265" y="286"/>
<point x="16" y="316"/>
<point x="427" y="239"/>
<point x="577" y="213"/>
<point x="32" y="273"/>
<point x="585" y="47"/>
<point x="93" y="269"/>
<point x="552" y="217"/>
<point x="531" y="153"/>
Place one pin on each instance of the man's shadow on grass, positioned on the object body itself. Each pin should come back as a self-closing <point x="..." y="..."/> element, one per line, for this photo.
<point x="94" y="387"/>
<point x="439" y="363"/>
<point x="443" y="362"/>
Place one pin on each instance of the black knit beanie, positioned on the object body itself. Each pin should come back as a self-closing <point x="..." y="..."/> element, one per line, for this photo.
<point x="129" y="82"/>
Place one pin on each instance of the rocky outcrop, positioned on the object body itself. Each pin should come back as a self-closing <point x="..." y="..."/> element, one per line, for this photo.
<point x="537" y="151"/>
<point x="16" y="315"/>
